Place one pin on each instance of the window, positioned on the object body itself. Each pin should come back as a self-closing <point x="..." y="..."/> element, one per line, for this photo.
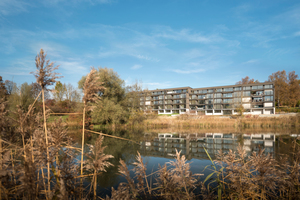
<point x="237" y="88"/>
<point x="246" y="94"/>
<point x="219" y="90"/>
<point x="209" y="111"/>
<point x="254" y="87"/>
<point x="228" y="89"/>
<point x="237" y="94"/>
<point x="226" y="106"/>
<point x="237" y="100"/>
<point x="218" y="95"/>
<point x="218" y="106"/>
<point x="260" y="87"/>
<point x="227" y="100"/>
<point x="201" y="97"/>
<point x="246" y="88"/>
<point x="227" y="95"/>
<point x="218" y="111"/>
<point x="209" y="96"/>
<point x="268" y="92"/>
<point x="218" y="100"/>
<point x="182" y="96"/>
<point x="201" y="101"/>
<point x="268" y="98"/>
<point x="203" y="91"/>
<point x="268" y="86"/>
<point x="148" y="98"/>
<point x="210" y="91"/>
<point x="208" y="101"/>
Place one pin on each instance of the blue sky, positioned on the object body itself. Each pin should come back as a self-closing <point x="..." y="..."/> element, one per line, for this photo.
<point x="162" y="43"/>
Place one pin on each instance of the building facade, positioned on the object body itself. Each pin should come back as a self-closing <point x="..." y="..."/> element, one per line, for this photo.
<point x="256" y="98"/>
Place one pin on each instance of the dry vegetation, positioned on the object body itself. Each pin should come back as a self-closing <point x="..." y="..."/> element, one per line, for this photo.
<point x="248" y="121"/>
<point x="40" y="161"/>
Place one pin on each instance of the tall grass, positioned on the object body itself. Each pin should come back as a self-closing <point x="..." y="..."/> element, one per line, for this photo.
<point x="248" y="121"/>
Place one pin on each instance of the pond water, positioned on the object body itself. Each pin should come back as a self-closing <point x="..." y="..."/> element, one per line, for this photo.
<point x="158" y="148"/>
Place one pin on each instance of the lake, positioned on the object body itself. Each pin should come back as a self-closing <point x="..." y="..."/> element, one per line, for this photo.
<point x="159" y="147"/>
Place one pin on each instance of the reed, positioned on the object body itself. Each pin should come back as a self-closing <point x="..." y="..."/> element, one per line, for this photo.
<point x="187" y="121"/>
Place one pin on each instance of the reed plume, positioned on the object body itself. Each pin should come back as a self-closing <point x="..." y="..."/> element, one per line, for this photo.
<point x="90" y="89"/>
<point x="45" y="76"/>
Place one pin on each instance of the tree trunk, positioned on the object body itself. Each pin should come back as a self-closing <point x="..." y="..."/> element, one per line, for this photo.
<point x="45" y="125"/>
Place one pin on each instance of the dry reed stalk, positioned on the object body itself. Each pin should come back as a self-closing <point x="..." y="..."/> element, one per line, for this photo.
<point x="46" y="136"/>
<point x="45" y="76"/>
<point x="112" y="136"/>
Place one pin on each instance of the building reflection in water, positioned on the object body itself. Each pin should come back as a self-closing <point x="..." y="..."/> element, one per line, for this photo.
<point x="192" y="145"/>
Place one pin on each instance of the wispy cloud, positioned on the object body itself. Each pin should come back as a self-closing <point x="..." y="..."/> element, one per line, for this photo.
<point x="180" y="71"/>
<point x="297" y="33"/>
<point x="8" y="7"/>
<point x="134" y="67"/>
<point x="251" y="61"/>
<point x="184" y="35"/>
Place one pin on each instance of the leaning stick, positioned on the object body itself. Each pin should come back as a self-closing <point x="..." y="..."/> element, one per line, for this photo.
<point x="112" y="136"/>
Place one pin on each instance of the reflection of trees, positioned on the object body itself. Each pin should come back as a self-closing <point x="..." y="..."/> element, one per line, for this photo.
<point x="120" y="149"/>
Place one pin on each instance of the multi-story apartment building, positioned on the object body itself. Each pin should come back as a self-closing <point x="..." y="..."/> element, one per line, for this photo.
<point x="256" y="98"/>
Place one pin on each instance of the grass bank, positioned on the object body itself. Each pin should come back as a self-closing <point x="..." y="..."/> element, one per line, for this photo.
<point x="249" y="121"/>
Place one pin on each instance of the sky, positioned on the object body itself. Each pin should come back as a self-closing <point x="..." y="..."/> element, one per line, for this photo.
<point x="159" y="43"/>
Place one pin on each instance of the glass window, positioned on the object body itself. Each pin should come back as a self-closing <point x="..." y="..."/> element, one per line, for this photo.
<point x="260" y="87"/>
<point x="227" y="106"/>
<point x="218" y="95"/>
<point x="209" y="111"/>
<point x="201" y="101"/>
<point x="227" y="95"/>
<point x="237" y="88"/>
<point x="219" y="90"/>
<point x="268" y="98"/>
<point x="218" y="100"/>
<point x="237" y="100"/>
<point x="237" y="94"/>
<point x="203" y="91"/>
<point x="227" y="100"/>
<point x="183" y="96"/>
<point x="246" y="88"/>
<point x="201" y="97"/>
<point x="209" y="96"/>
<point x="210" y="106"/>
<point x="254" y="87"/>
<point x="228" y="89"/>
<point x="218" y="106"/>
<point x="246" y="94"/>
<point x="268" y="86"/>
<point x="208" y="101"/>
<point x="210" y="91"/>
<point x="217" y="111"/>
<point x="269" y="92"/>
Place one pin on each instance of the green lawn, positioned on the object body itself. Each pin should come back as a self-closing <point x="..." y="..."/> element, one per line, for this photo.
<point x="53" y="117"/>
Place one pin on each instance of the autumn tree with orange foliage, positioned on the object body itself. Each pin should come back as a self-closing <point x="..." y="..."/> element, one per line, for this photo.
<point x="294" y="89"/>
<point x="247" y="80"/>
